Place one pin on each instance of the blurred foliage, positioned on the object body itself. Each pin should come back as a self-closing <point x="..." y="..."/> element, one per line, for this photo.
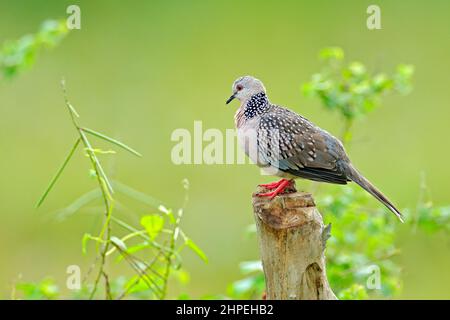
<point x="352" y="90"/>
<point x="250" y="287"/>
<point x="431" y="219"/>
<point x="43" y="290"/>
<point x="363" y="233"/>
<point x="152" y="249"/>
<point x="354" y="292"/>
<point x="19" y="55"/>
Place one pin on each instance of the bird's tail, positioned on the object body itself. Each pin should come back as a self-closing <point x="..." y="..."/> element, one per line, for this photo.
<point x="358" y="178"/>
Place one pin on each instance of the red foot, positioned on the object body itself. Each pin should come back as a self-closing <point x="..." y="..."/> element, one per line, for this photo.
<point x="272" y="185"/>
<point x="281" y="186"/>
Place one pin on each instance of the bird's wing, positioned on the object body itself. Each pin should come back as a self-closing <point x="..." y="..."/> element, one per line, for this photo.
<point x="294" y="145"/>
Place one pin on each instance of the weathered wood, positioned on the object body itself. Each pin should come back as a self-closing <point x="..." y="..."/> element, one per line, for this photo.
<point x="292" y="239"/>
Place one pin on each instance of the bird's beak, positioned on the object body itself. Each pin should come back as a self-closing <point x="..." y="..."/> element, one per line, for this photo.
<point x="231" y="98"/>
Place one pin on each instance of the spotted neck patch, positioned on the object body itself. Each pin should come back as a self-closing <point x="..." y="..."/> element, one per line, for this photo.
<point x="256" y="105"/>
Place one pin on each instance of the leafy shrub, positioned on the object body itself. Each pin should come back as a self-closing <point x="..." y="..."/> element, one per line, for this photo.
<point x="19" y="55"/>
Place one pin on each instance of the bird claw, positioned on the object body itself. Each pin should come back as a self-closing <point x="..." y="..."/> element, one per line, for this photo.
<point x="272" y="185"/>
<point x="279" y="187"/>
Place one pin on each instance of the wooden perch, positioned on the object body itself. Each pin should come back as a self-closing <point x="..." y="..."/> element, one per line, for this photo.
<point x="292" y="240"/>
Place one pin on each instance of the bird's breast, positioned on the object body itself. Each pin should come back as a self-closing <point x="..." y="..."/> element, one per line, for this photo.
<point x="247" y="135"/>
<point x="239" y="117"/>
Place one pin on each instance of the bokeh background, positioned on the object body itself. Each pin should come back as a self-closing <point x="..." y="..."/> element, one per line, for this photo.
<point x="139" y="70"/>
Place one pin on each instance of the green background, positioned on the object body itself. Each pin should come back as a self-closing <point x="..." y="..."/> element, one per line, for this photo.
<point x="138" y="70"/>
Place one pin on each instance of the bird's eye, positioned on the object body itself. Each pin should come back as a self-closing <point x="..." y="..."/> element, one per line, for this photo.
<point x="239" y="87"/>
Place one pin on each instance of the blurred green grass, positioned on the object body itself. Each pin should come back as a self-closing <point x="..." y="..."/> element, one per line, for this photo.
<point x="137" y="72"/>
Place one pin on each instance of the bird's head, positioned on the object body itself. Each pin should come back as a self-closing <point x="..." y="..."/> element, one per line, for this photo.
<point x="245" y="87"/>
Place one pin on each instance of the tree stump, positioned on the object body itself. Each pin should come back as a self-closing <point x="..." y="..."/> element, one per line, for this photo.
<point x="292" y="240"/>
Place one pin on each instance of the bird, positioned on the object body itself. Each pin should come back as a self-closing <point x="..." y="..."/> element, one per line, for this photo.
<point x="286" y="144"/>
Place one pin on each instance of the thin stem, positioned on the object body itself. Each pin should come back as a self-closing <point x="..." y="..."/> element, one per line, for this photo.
<point x="131" y="286"/>
<point x="142" y="273"/>
<point x="107" y="286"/>
<point x="106" y="190"/>
<point x="173" y="239"/>
<point x="105" y="248"/>
<point x="125" y="238"/>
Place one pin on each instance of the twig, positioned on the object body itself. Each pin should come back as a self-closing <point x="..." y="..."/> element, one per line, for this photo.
<point x="104" y="185"/>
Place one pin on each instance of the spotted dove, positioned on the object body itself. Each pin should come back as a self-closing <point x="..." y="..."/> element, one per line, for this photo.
<point x="288" y="145"/>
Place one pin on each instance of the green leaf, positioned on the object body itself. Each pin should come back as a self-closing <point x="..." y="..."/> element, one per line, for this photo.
<point x="58" y="174"/>
<point x="153" y="224"/>
<point x="191" y="244"/>
<point x="111" y="140"/>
